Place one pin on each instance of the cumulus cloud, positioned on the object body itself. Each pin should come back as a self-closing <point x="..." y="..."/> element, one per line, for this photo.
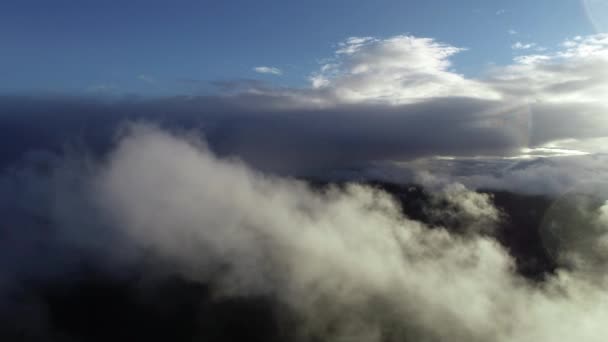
<point x="268" y="70"/>
<point x="345" y="259"/>
<point x="397" y="70"/>
<point x="574" y="74"/>
<point x="463" y="210"/>
<point x="405" y="69"/>
<point x="346" y="262"/>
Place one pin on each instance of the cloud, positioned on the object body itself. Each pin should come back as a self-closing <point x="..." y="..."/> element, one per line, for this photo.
<point x="546" y="175"/>
<point x="343" y="257"/>
<point x="512" y="32"/>
<point x="407" y="69"/>
<point x="522" y="46"/>
<point x="375" y="100"/>
<point x="397" y="70"/>
<point x="572" y="75"/>
<point x="268" y="70"/>
<point x="266" y="132"/>
<point x="565" y="86"/>
<point x="345" y="262"/>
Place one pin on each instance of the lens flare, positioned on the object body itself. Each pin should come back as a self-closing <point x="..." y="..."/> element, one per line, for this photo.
<point x="597" y="13"/>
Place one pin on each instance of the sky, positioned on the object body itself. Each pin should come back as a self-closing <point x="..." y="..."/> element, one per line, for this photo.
<point x="160" y="48"/>
<point x="338" y="83"/>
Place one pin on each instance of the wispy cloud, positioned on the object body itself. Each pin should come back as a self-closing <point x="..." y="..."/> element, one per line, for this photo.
<point x="268" y="70"/>
<point x="522" y="46"/>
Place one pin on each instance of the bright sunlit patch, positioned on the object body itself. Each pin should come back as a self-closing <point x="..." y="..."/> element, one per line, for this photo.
<point x="577" y="146"/>
<point x="550" y="151"/>
<point x="597" y="12"/>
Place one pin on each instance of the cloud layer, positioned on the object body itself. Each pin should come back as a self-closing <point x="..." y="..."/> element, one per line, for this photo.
<point x="549" y="97"/>
<point x="375" y="100"/>
<point x="345" y="262"/>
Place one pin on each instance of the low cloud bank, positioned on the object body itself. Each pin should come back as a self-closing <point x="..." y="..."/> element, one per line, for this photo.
<point x="345" y="262"/>
<point x="553" y="176"/>
<point x="374" y="100"/>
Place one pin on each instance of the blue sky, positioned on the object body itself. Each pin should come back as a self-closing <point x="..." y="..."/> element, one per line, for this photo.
<point x="172" y="47"/>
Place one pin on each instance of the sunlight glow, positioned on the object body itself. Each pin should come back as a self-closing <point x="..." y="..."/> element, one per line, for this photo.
<point x="597" y="12"/>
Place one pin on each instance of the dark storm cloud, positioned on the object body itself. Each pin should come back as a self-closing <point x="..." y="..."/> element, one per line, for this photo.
<point x="261" y="131"/>
<point x="254" y="129"/>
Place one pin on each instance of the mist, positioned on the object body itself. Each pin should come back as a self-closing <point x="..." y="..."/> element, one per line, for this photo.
<point x="342" y="262"/>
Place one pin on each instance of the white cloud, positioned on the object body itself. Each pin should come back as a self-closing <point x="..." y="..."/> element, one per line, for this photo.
<point x="575" y="74"/>
<point x="406" y="69"/>
<point x="512" y="32"/>
<point x="346" y="262"/>
<point x="397" y="70"/>
<point x="522" y="46"/>
<point x="345" y="259"/>
<point x="268" y="70"/>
